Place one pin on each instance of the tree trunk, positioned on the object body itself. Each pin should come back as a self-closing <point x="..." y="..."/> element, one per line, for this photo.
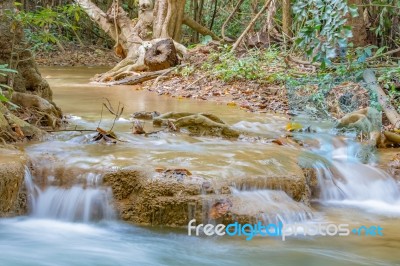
<point x="156" y="22"/>
<point x="358" y="25"/>
<point x="161" y="55"/>
<point x="168" y="17"/>
<point x="287" y="18"/>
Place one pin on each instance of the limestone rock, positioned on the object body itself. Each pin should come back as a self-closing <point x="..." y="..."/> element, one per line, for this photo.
<point x="160" y="199"/>
<point x="12" y="195"/>
<point x="202" y="124"/>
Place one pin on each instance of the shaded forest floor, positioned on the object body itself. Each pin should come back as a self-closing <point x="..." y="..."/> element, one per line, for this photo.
<point x="75" y="55"/>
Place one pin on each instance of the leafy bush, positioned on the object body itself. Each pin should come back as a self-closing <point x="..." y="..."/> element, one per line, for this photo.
<point x="322" y="27"/>
<point x="225" y="65"/>
<point x="4" y="71"/>
<point x="48" y="26"/>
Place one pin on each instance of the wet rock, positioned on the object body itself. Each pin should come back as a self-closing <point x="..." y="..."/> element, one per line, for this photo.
<point x="33" y="101"/>
<point x="12" y="128"/>
<point x="294" y="185"/>
<point x="364" y="120"/>
<point x="12" y="195"/>
<point x="145" y="115"/>
<point x="394" y="166"/>
<point x="202" y="124"/>
<point x="145" y="198"/>
<point x="264" y="206"/>
<point x="389" y="139"/>
<point x="220" y="208"/>
<point x="173" y="198"/>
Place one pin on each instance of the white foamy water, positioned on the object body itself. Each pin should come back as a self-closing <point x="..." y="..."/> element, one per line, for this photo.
<point x="88" y="204"/>
<point x="346" y="181"/>
<point x="273" y="206"/>
<point x="74" y="204"/>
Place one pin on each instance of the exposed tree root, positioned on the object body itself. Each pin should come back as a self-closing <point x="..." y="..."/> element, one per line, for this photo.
<point x="139" y="78"/>
<point x="145" y="59"/>
<point x="14" y="129"/>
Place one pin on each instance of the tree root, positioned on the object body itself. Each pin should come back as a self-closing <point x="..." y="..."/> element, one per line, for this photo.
<point x="139" y="78"/>
<point x="135" y="62"/>
<point x="14" y="129"/>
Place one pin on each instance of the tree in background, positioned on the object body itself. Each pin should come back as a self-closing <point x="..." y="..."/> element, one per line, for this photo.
<point x="322" y="30"/>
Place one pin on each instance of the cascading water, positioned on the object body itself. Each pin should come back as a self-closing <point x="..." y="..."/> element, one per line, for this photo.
<point x="77" y="203"/>
<point x="344" y="179"/>
<point x="275" y="205"/>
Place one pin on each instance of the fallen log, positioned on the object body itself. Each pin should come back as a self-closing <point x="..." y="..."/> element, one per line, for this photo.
<point x="383" y="100"/>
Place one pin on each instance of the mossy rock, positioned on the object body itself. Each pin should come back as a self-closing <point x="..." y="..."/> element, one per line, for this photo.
<point x="201" y="124"/>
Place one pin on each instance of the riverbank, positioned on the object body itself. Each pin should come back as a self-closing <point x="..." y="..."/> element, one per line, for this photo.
<point x="256" y="81"/>
<point x="75" y="55"/>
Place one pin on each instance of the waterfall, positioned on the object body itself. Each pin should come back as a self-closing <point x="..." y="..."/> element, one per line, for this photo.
<point x="32" y="190"/>
<point x="77" y="203"/>
<point x="344" y="179"/>
<point x="269" y="205"/>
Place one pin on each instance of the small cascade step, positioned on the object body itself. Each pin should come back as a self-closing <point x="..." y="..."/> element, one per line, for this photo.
<point x="75" y="204"/>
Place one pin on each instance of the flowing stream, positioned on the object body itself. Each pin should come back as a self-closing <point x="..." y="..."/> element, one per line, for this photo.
<point x="76" y="225"/>
<point x="348" y="182"/>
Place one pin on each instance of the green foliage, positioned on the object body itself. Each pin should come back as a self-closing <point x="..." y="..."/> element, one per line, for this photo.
<point x="187" y="71"/>
<point x="356" y="59"/>
<point x="383" y="27"/>
<point x="390" y="80"/>
<point x="47" y="26"/>
<point x="322" y="27"/>
<point x="4" y="71"/>
<point x="254" y="65"/>
<point x="228" y="67"/>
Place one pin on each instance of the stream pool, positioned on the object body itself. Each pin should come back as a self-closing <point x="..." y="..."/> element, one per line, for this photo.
<point x="33" y="240"/>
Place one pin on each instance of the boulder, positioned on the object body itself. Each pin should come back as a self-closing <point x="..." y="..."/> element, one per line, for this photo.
<point x="201" y="124"/>
<point x="153" y="198"/>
